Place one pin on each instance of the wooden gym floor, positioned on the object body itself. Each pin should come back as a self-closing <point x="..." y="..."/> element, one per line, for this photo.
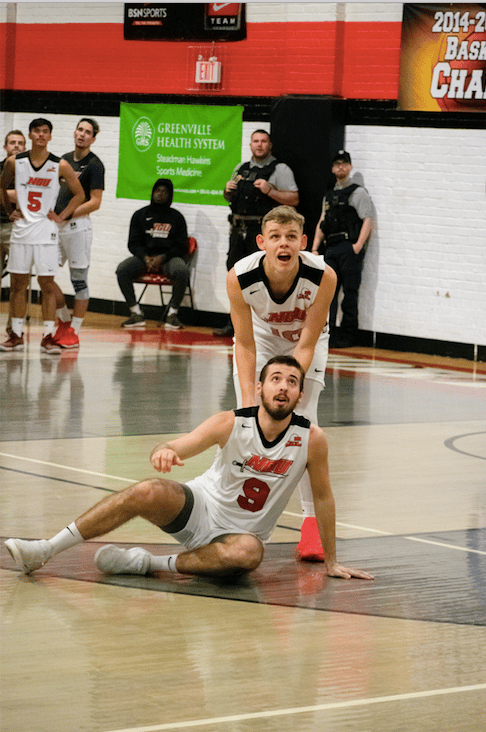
<point x="286" y="648"/>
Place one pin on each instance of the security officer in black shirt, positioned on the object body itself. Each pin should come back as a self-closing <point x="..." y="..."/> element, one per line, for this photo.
<point x="254" y="189"/>
<point x="342" y="234"/>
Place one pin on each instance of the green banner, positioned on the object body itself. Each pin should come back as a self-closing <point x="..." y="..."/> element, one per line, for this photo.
<point x="197" y="147"/>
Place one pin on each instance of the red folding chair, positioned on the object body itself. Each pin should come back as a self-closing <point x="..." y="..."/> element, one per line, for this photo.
<point x="163" y="281"/>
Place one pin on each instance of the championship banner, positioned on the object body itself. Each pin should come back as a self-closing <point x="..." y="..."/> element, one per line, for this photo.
<point x="197" y="147"/>
<point x="443" y="58"/>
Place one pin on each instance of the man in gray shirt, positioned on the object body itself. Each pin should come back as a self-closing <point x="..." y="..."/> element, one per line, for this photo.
<point x="342" y="235"/>
<point x="254" y="188"/>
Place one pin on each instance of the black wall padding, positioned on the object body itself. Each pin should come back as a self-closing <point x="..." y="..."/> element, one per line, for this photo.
<point x="306" y="133"/>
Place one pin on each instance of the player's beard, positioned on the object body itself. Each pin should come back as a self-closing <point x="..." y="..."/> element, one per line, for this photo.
<point x="277" y="411"/>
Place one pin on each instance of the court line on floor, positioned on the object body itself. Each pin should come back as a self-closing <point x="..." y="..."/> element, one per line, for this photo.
<point x="67" y="467"/>
<point x="448" y="546"/>
<point x="409" y="538"/>
<point x="59" y="480"/>
<point x="450" y="444"/>
<point x="304" y="710"/>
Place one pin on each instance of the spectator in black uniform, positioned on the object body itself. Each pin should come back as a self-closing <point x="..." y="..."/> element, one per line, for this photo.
<point x="158" y="243"/>
<point x="342" y="235"/>
<point x="254" y="189"/>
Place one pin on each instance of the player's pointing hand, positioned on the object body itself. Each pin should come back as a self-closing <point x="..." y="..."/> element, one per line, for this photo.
<point x="163" y="459"/>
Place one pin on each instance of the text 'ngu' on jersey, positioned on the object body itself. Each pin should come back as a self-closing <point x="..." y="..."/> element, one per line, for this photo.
<point x="37" y="190"/>
<point x="251" y="480"/>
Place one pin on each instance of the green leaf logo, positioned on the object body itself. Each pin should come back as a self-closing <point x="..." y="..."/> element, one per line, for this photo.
<point x="143" y="134"/>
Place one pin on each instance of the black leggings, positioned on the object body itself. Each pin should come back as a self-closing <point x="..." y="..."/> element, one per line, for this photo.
<point x="347" y="266"/>
<point x="133" y="268"/>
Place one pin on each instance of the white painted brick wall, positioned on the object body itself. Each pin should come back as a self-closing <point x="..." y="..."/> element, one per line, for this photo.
<point x="61" y="12"/>
<point x="256" y="12"/>
<point x="359" y="12"/>
<point x="425" y="270"/>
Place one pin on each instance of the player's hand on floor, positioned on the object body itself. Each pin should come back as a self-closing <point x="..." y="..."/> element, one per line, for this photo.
<point x="337" y="570"/>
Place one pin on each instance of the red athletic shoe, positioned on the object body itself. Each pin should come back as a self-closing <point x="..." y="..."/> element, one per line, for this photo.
<point x="309" y="548"/>
<point x="13" y="343"/>
<point x="65" y="336"/>
<point x="48" y="346"/>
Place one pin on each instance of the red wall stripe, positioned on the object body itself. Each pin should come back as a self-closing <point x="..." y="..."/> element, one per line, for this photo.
<point x="354" y="60"/>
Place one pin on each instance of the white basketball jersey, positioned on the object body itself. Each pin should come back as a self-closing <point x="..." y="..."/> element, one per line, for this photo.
<point x="281" y="318"/>
<point x="251" y="480"/>
<point x="37" y="190"/>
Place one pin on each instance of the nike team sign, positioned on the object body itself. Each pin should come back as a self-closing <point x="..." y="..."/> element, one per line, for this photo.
<point x="184" y="22"/>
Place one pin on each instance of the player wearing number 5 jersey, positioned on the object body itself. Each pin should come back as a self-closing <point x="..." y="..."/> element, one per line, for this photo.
<point x="224" y="517"/>
<point x="34" y="240"/>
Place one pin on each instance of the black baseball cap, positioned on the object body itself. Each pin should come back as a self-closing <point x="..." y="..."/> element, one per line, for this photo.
<point x="342" y="156"/>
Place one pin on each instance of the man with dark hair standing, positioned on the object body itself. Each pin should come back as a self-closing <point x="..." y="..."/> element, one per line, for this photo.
<point x="158" y="242"/>
<point x="76" y="233"/>
<point x="254" y="189"/>
<point x="342" y="235"/>
<point x="35" y="231"/>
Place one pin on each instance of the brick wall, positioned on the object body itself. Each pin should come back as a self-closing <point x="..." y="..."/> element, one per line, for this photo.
<point x="425" y="270"/>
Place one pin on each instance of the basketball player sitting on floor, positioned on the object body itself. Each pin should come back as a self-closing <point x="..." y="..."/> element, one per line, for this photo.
<point x="224" y="517"/>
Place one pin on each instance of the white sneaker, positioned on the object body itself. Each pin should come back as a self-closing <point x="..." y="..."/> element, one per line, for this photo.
<point x="112" y="559"/>
<point x="29" y="555"/>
